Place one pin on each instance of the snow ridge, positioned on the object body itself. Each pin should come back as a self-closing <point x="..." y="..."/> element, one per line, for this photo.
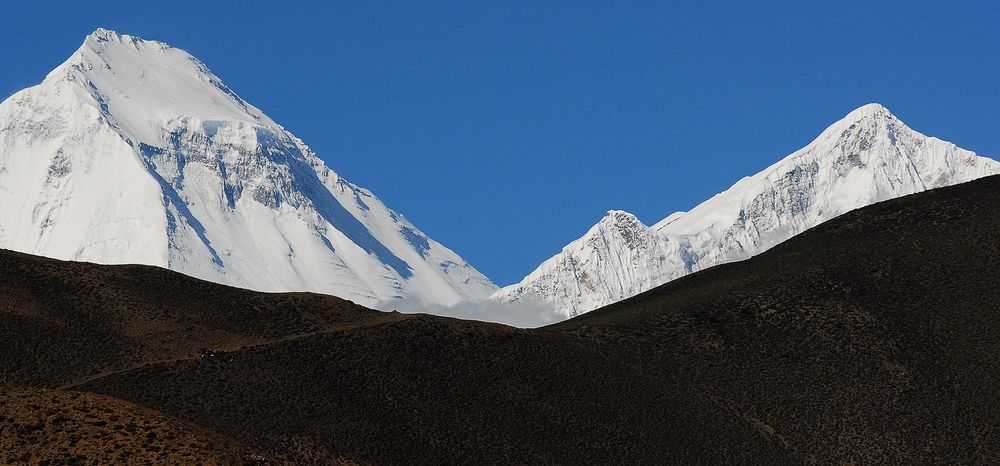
<point x="866" y="157"/>
<point x="133" y="151"/>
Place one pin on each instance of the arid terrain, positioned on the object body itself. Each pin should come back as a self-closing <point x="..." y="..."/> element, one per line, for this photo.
<point x="872" y="338"/>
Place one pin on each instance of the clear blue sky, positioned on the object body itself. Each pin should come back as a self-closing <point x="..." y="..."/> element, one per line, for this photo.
<point x="504" y="129"/>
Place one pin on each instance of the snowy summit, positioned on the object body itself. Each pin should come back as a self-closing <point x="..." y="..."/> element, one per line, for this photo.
<point x="866" y="157"/>
<point x="132" y="151"/>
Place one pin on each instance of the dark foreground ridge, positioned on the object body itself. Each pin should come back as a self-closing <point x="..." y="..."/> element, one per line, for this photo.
<point x="873" y="338"/>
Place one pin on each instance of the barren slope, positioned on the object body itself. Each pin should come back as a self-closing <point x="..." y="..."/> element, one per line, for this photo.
<point x="871" y="338"/>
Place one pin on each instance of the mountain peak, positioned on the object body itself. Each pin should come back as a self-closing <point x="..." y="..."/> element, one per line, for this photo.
<point x="870" y="108"/>
<point x="616" y="213"/>
<point x="866" y="157"/>
<point x="133" y="151"/>
<point x="102" y="34"/>
<point x="871" y="111"/>
<point x="102" y="38"/>
<point x="142" y="86"/>
<point x="620" y="219"/>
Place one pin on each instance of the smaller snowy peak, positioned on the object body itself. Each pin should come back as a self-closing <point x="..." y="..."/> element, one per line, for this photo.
<point x="869" y="113"/>
<point x="872" y="110"/>
<point x="618" y="224"/>
<point x="844" y="160"/>
<point x="865" y="125"/>
<point x="869" y="122"/>
<point x="620" y="219"/>
<point x="867" y="156"/>
<point x="604" y="265"/>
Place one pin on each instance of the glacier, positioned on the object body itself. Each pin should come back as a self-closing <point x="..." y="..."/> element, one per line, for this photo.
<point x="866" y="157"/>
<point x="134" y="152"/>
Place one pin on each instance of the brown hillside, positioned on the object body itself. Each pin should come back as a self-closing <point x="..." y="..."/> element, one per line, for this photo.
<point x="40" y="426"/>
<point x="873" y="338"/>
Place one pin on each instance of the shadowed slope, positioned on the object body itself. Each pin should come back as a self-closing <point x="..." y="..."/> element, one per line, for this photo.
<point x="872" y="338"/>
<point x="59" y="427"/>
<point x="66" y="320"/>
<point x="432" y="390"/>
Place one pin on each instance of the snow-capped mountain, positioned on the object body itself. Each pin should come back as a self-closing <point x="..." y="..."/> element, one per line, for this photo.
<point x="132" y="151"/>
<point x="867" y="157"/>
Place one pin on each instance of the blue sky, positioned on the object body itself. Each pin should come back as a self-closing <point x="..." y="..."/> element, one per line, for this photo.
<point x="506" y="129"/>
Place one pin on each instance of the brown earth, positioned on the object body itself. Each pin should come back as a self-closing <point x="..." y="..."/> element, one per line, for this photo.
<point x="873" y="338"/>
<point x="39" y="426"/>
